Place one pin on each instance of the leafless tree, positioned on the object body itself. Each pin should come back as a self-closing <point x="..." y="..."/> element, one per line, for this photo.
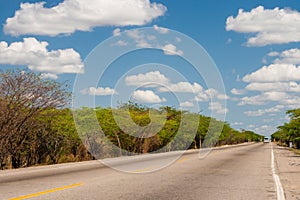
<point x="24" y="96"/>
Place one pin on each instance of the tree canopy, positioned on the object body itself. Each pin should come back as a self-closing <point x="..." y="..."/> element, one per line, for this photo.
<point x="37" y="127"/>
<point x="289" y="132"/>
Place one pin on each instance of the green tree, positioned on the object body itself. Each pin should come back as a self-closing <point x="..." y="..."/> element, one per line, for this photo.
<point x="289" y="132"/>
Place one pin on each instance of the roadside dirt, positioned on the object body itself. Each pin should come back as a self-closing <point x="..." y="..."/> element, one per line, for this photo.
<point x="288" y="166"/>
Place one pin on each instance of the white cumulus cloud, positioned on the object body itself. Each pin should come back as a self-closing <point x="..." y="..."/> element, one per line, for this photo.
<point x="161" y="30"/>
<point x="182" y="87"/>
<point x="147" y="96"/>
<point x="271" y="26"/>
<point x="49" y="76"/>
<point x="273" y="54"/>
<point x="99" y="91"/>
<point x="140" y="38"/>
<point x="277" y="82"/>
<point x="186" y="104"/>
<point x="264" y="129"/>
<point x="117" y="32"/>
<point x="80" y="15"/>
<point x="120" y="43"/>
<point x="274" y="86"/>
<point x="237" y="91"/>
<point x="292" y="101"/>
<point x="261" y="112"/>
<point x="217" y="107"/>
<point x="162" y="84"/>
<point x="209" y="94"/>
<point x="290" y="56"/>
<point x="263" y="98"/>
<point x="274" y="73"/>
<point x="34" y="54"/>
<point x="237" y="123"/>
<point x="150" y="79"/>
<point x="171" y="49"/>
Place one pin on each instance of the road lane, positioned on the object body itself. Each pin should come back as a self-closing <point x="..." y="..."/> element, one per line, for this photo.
<point x="38" y="194"/>
<point x="232" y="173"/>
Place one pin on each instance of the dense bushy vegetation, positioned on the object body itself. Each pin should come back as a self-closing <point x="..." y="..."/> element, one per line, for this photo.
<point x="289" y="132"/>
<point x="36" y="127"/>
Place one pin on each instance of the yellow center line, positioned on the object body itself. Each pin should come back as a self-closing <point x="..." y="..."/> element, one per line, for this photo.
<point x="47" y="191"/>
<point x="144" y="170"/>
<point x="182" y="160"/>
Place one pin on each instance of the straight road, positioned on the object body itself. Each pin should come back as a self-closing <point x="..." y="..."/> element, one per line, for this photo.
<point x="241" y="172"/>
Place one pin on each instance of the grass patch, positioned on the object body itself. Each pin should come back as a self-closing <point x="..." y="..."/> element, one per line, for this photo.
<point x="297" y="151"/>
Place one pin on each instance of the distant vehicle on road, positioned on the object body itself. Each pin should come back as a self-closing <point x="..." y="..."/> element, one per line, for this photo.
<point x="266" y="140"/>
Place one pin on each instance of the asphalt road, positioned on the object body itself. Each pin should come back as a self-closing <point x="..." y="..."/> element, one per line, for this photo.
<point x="242" y="172"/>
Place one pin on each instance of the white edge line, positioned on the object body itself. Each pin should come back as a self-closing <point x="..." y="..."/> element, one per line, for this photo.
<point x="279" y="189"/>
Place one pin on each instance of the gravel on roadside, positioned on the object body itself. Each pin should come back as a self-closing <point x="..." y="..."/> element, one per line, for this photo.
<point x="288" y="167"/>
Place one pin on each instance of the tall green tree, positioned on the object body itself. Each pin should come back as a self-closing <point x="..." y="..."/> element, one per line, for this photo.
<point x="290" y="132"/>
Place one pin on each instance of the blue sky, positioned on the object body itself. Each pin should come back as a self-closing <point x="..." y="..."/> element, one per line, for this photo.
<point x="253" y="45"/>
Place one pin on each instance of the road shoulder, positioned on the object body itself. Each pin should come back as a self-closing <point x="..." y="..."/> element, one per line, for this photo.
<point x="288" y="166"/>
